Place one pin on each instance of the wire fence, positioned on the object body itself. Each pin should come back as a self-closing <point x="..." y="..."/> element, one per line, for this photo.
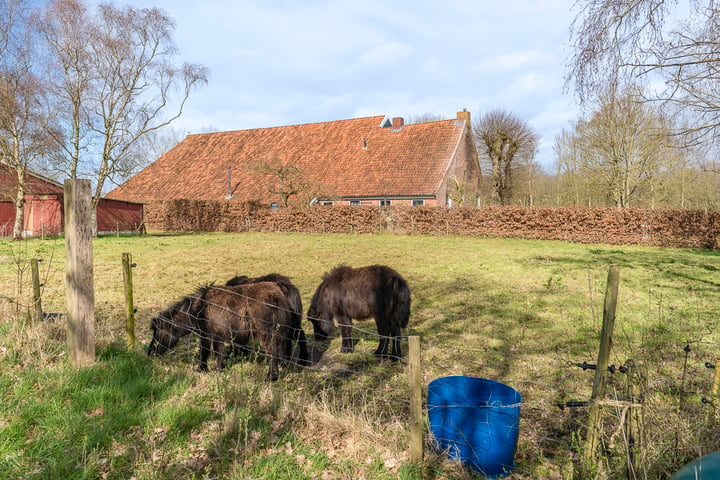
<point x="677" y="395"/>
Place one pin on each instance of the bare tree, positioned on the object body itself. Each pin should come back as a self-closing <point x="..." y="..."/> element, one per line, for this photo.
<point x="12" y="15"/>
<point x="457" y="190"/>
<point x="159" y="142"/>
<point x="66" y="27"/>
<point x="284" y="179"/>
<point x="618" y="42"/>
<point x="117" y="77"/>
<point x="626" y="144"/>
<point x="424" y="118"/>
<point x="22" y="139"/>
<point x="506" y="141"/>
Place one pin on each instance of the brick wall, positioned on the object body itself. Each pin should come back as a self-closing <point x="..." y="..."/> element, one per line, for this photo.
<point x="670" y="228"/>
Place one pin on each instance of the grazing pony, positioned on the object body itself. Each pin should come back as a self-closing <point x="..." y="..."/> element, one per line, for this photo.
<point x="242" y="315"/>
<point x="293" y="297"/>
<point x="374" y="291"/>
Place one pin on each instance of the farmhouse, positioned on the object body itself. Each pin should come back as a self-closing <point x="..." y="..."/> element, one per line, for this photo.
<point x="364" y="161"/>
<point x="43" y="212"/>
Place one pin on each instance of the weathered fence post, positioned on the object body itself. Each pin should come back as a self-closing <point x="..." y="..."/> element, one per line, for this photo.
<point x="714" y="399"/>
<point x="80" y="297"/>
<point x="590" y="452"/>
<point x="635" y="420"/>
<point x="417" y="425"/>
<point x="37" y="302"/>
<point x="130" y="307"/>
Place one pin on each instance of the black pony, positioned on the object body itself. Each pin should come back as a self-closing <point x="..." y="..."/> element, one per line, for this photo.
<point x="374" y="291"/>
<point x="293" y="296"/>
<point x="241" y="315"/>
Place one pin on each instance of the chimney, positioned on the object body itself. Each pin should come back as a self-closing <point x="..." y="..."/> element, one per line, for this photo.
<point x="463" y="116"/>
<point x="397" y="123"/>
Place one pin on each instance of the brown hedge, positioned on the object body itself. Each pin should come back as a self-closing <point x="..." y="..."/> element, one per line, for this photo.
<point x="666" y="228"/>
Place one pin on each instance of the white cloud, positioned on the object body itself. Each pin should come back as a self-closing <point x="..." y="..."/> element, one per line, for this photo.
<point x="285" y="62"/>
<point x="515" y="60"/>
<point x="385" y="55"/>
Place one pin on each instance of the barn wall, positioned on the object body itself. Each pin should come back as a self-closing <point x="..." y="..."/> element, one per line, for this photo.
<point x="7" y="218"/>
<point x="44" y="216"/>
<point x="117" y="216"/>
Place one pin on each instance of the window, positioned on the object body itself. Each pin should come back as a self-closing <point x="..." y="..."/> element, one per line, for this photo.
<point x="354" y="202"/>
<point x="418" y="203"/>
<point x="326" y="202"/>
<point x="385" y="203"/>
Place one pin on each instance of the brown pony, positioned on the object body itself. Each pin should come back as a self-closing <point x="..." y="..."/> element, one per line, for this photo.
<point x="242" y="315"/>
<point x="293" y="296"/>
<point x="374" y="291"/>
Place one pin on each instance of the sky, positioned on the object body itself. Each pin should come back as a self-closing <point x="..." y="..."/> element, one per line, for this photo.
<point x="287" y="62"/>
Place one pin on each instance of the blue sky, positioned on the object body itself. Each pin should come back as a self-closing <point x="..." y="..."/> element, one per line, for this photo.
<point x="288" y="62"/>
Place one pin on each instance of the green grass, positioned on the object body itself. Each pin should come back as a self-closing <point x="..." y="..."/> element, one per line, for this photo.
<point x="520" y="312"/>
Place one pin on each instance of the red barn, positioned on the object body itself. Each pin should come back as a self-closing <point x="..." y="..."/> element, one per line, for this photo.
<point x="44" y="203"/>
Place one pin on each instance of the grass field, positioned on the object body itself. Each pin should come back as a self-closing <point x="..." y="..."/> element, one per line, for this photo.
<point x="519" y="312"/>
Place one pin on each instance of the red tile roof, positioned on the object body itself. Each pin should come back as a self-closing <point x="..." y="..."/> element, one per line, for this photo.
<point x="353" y="157"/>
<point x="35" y="184"/>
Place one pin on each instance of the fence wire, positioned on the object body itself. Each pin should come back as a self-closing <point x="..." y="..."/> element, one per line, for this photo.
<point x="549" y="411"/>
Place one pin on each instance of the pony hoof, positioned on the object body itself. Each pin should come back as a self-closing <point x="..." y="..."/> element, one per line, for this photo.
<point x="386" y="356"/>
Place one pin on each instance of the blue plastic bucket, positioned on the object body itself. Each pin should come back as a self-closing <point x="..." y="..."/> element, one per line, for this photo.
<point x="476" y="421"/>
<point x="705" y="467"/>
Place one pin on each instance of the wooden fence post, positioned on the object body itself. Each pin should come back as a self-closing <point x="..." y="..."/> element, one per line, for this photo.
<point x="714" y="399"/>
<point x="592" y="444"/>
<point x="635" y="419"/>
<point x="130" y="307"/>
<point x="37" y="302"/>
<point x="80" y="297"/>
<point x="417" y="425"/>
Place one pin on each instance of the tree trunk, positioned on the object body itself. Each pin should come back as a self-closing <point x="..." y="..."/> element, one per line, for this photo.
<point x="19" y="215"/>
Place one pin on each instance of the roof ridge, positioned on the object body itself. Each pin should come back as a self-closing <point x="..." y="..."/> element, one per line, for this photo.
<point x="293" y="125"/>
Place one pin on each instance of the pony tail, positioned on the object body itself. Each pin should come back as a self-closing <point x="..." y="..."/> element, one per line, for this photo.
<point x="402" y="307"/>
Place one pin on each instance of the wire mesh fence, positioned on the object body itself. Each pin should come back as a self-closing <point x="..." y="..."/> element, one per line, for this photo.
<point x="677" y="395"/>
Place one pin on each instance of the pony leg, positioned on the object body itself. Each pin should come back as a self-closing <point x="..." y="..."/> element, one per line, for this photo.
<point x="396" y="351"/>
<point x="219" y="348"/>
<point x="287" y="344"/>
<point x="273" y="361"/>
<point x="205" y="346"/>
<point x="272" y="374"/>
<point x="395" y="332"/>
<point x="382" y="348"/>
<point x="347" y="341"/>
<point x="383" y="333"/>
<point x="302" y="344"/>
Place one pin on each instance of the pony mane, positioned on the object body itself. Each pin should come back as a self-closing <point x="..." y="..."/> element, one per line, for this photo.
<point x="199" y="292"/>
<point x="202" y="289"/>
